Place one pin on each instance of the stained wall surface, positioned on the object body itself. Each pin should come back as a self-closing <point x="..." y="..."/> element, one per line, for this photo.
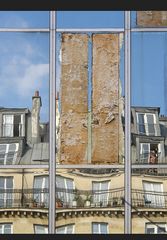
<point x="151" y="18"/>
<point x="105" y="130"/>
<point x="74" y="83"/>
<point x="104" y="125"/>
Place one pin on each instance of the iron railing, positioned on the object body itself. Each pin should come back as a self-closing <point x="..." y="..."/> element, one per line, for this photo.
<point x="27" y="198"/>
<point x="37" y="198"/>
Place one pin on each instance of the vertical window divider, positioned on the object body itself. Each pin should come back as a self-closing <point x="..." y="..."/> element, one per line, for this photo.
<point x="127" y="177"/>
<point x="52" y="120"/>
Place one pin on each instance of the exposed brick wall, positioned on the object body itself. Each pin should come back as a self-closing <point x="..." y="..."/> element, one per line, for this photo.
<point x="151" y="18"/>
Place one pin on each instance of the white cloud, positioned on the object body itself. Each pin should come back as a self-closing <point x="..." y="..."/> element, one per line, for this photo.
<point x="24" y="68"/>
<point x="33" y="78"/>
<point x="10" y="20"/>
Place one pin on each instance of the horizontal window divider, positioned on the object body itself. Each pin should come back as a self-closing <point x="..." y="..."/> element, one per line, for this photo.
<point x="149" y="166"/>
<point x="90" y="166"/>
<point x="24" y="29"/>
<point x="97" y="30"/>
<point x="24" y="166"/>
<point x="151" y="29"/>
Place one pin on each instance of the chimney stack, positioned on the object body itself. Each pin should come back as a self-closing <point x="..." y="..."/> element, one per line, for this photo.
<point x="35" y="117"/>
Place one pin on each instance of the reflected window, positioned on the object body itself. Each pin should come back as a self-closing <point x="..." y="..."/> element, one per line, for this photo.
<point x="6" y="228"/>
<point x="8" y="153"/>
<point x="6" y="195"/>
<point x="157" y="228"/>
<point x="40" y="229"/>
<point x="146" y="123"/>
<point x="41" y="195"/>
<point x="149" y="153"/>
<point x="100" y="193"/>
<point x="65" y="187"/>
<point x="99" y="228"/>
<point x="153" y="194"/>
<point x="67" y="229"/>
<point x="12" y="125"/>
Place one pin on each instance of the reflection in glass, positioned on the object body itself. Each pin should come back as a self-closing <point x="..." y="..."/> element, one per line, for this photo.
<point x="24" y="19"/>
<point x="90" y="102"/>
<point x="24" y="73"/>
<point x="24" y="198"/>
<point x="149" y="19"/>
<point x="81" y="19"/>
<point x="97" y="195"/>
<point x="149" y="197"/>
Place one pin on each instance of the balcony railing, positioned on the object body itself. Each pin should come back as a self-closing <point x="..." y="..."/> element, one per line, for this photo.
<point x="37" y="198"/>
<point x="149" y="158"/>
<point x="109" y="199"/>
<point x="27" y="198"/>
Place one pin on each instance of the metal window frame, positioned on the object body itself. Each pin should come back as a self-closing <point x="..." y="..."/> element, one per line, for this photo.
<point x="127" y="166"/>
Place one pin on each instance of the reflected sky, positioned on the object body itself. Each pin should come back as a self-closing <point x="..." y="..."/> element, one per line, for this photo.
<point x="24" y="68"/>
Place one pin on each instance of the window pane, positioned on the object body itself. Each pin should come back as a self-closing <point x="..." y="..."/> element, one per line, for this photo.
<point x="149" y="187"/>
<point x="41" y="229"/>
<point x="150" y="230"/>
<point x="85" y="118"/>
<point x="24" y="19"/>
<point x="90" y="19"/>
<point x="24" y="73"/>
<point x="7" y="228"/>
<point x="19" y="195"/>
<point x="97" y="193"/>
<point x="149" y="19"/>
<point x="95" y="227"/>
<point x="103" y="228"/>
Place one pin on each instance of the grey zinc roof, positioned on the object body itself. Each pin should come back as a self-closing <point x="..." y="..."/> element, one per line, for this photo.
<point x="38" y="153"/>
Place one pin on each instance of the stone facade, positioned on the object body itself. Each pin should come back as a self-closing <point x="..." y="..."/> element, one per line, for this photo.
<point x="151" y="18"/>
<point x="105" y="127"/>
<point x="74" y="82"/>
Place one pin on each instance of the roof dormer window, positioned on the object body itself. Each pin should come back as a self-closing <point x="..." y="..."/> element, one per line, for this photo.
<point x="12" y="125"/>
<point x="146" y="123"/>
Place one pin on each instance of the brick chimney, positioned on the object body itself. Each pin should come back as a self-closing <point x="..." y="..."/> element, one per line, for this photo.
<point x="35" y="117"/>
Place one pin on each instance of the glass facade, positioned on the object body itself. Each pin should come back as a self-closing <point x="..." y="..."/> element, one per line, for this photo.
<point x="83" y="122"/>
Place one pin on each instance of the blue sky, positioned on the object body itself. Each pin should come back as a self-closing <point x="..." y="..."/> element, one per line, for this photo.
<point x="24" y="58"/>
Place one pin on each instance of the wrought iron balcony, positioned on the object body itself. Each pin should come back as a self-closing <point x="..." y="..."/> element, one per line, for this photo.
<point x="149" y="158"/>
<point x="27" y="198"/>
<point x="68" y="199"/>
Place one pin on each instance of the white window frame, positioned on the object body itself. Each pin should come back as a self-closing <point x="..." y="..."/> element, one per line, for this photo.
<point x="3" y="227"/>
<point x="155" y="227"/>
<point x="99" y="227"/>
<point x="141" y="150"/>
<point x="7" y="151"/>
<point x="152" y="195"/>
<point x="97" y="198"/>
<point x="146" y="123"/>
<point x="65" y="229"/>
<point x="44" y="227"/>
<point x="5" y="194"/>
<point x="42" y="194"/>
<point x="21" y="130"/>
<point x="66" y="194"/>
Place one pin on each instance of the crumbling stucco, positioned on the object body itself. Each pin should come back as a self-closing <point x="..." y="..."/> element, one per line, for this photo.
<point x="151" y="18"/>
<point x="105" y="78"/>
<point x="74" y="83"/>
